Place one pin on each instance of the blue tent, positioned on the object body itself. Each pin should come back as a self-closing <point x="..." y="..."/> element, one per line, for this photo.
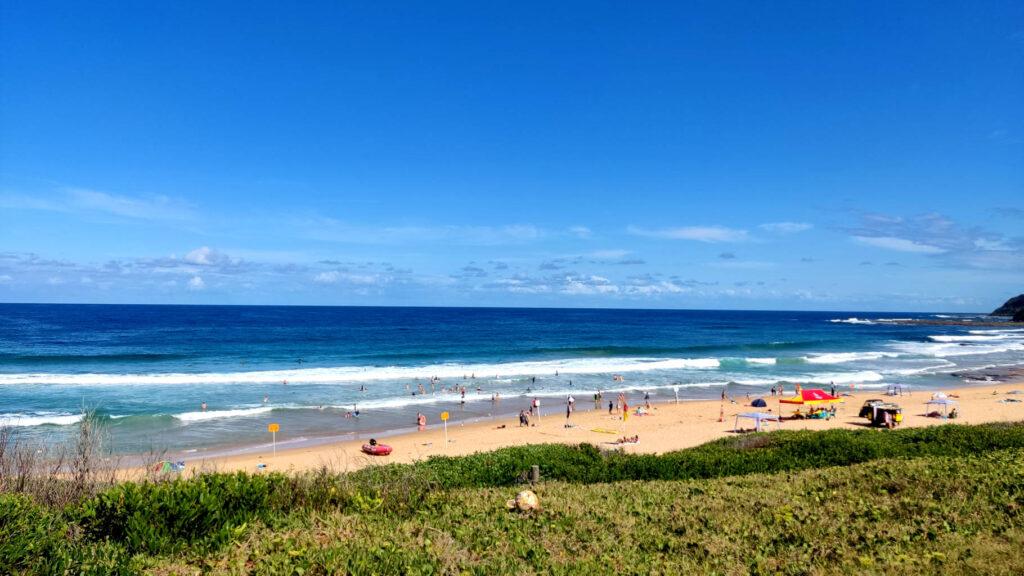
<point x="759" y="403"/>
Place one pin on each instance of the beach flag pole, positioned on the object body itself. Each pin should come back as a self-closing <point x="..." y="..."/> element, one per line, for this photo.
<point x="273" y="430"/>
<point x="444" y="418"/>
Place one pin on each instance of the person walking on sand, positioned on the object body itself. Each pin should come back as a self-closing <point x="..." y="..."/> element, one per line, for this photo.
<point x="609" y="407"/>
<point x="535" y="408"/>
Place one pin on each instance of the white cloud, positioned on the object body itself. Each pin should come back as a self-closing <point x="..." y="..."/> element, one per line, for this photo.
<point x="5" y="278"/>
<point x="338" y="277"/>
<point x="196" y="284"/>
<point x="588" y="285"/>
<point x="203" y="256"/>
<point x="900" y="244"/>
<point x="708" y="234"/>
<point x="785" y="227"/>
<point x="581" y="231"/>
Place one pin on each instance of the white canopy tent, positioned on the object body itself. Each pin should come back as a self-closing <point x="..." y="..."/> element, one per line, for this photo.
<point x="942" y="406"/>
<point x="757" y="417"/>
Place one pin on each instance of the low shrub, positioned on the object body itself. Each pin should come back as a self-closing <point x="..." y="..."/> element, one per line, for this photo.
<point x="206" y="512"/>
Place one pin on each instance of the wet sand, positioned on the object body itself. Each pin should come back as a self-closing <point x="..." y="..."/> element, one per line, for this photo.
<point x="669" y="427"/>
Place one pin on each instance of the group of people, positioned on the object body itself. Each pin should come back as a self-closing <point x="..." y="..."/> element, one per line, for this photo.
<point x="524" y="418"/>
<point x="826" y="413"/>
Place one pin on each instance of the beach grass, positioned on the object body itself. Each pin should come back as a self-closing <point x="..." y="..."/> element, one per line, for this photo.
<point x="944" y="499"/>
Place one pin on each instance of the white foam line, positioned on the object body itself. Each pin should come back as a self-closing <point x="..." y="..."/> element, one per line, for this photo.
<point x="345" y="374"/>
<point x="26" y="420"/>
<point x="221" y="414"/>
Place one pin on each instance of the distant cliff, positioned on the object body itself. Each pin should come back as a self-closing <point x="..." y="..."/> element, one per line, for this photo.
<point x="1013" y="307"/>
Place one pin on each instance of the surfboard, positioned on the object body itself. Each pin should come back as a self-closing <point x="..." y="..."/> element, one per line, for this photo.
<point x="603" y="431"/>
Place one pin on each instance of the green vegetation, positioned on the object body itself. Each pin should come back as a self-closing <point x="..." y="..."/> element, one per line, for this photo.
<point x="942" y="499"/>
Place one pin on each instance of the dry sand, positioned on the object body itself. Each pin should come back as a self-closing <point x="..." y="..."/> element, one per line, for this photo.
<point x="669" y="427"/>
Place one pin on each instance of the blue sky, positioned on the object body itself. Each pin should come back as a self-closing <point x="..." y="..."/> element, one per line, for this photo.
<point x="776" y="155"/>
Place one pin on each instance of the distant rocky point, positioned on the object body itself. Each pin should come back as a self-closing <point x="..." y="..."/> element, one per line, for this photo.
<point x="1013" y="307"/>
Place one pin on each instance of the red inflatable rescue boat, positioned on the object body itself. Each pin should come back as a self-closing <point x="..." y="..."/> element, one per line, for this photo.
<point x="377" y="449"/>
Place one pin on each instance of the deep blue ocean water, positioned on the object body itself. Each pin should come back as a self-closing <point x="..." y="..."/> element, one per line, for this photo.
<point x="146" y="370"/>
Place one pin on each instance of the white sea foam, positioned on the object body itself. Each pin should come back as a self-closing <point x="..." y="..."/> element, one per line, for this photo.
<point x="822" y="379"/>
<point x="949" y="349"/>
<point x="221" y="414"/>
<point x="347" y="374"/>
<point x="977" y="336"/>
<point x="841" y="357"/>
<point x="39" y="419"/>
<point x="852" y="321"/>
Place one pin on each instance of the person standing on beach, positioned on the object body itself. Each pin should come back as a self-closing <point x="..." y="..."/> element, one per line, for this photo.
<point x="609" y="407"/>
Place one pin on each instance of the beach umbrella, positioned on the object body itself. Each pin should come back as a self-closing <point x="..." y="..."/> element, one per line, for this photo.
<point x="759" y="403"/>
<point x="811" y="396"/>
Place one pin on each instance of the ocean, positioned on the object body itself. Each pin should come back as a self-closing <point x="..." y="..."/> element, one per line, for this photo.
<point x="146" y="371"/>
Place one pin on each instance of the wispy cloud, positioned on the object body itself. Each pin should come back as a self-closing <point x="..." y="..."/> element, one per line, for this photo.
<point x="708" y="234"/>
<point x="152" y="207"/>
<point x="937" y="236"/>
<point x="331" y="230"/>
<point x="581" y="231"/>
<point x="900" y="244"/>
<point x="609" y="254"/>
<point x="785" y="227"/>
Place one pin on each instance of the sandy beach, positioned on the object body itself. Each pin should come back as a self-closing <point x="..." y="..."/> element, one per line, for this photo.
<point x="668" y="427"/>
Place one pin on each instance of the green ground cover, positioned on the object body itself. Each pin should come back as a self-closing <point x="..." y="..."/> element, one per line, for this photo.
<point x="941" y="500"/>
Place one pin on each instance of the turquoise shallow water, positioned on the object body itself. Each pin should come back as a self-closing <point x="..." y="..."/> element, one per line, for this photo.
<point x="146" y="370"/>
